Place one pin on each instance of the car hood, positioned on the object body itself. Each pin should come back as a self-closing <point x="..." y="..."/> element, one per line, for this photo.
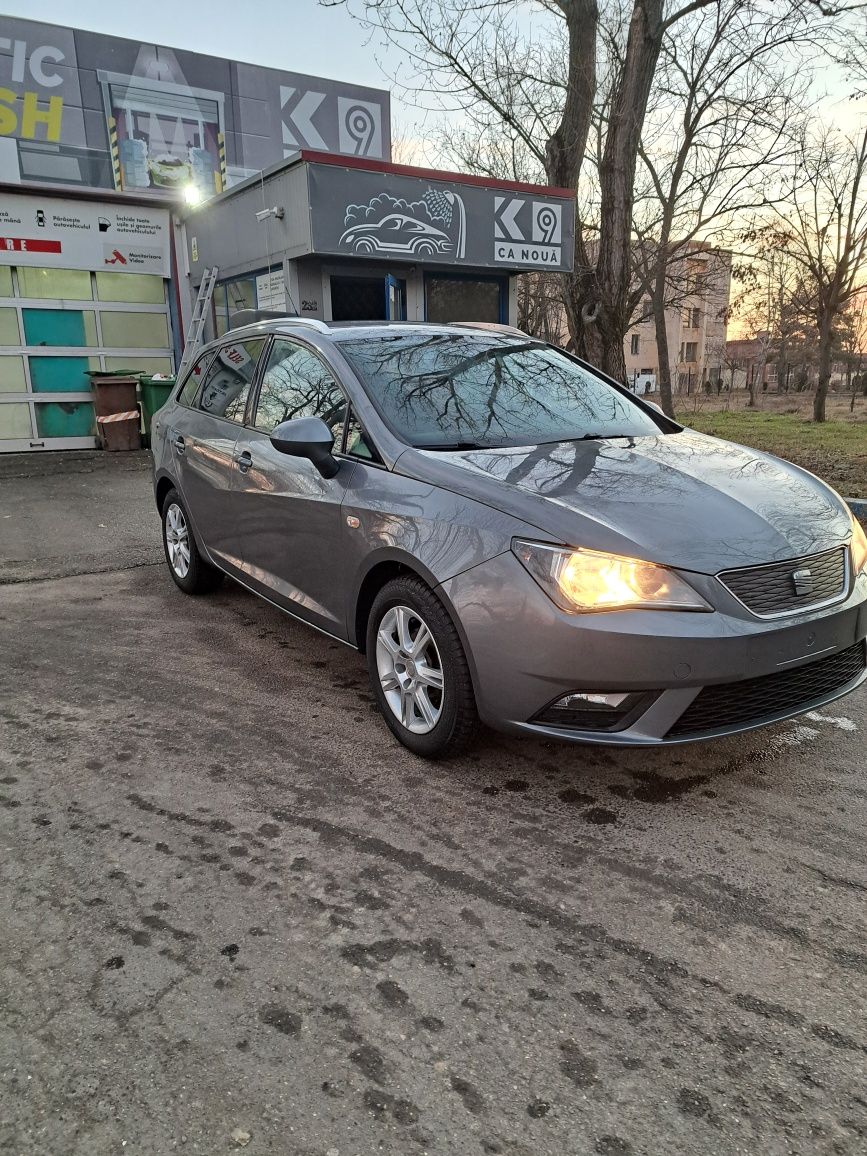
<point x="683" y="499"/>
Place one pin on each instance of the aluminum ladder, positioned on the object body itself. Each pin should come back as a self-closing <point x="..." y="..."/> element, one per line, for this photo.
<point x="193" y="338"/>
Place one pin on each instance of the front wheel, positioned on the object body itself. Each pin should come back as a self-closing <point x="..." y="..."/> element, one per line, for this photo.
<point x="187" y="566"/>
<point x="418" y="670"/>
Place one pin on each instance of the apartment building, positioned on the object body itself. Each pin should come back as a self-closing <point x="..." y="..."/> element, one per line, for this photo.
<point x="695" y="325"/>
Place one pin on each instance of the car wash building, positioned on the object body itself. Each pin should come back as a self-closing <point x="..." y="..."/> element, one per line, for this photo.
<point x="101" y="140"/>
<point x="353" y="238"/>
<point x="104" y="145"/>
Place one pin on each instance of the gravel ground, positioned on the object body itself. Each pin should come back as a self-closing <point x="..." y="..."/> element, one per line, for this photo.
<point x="235" y="915"/>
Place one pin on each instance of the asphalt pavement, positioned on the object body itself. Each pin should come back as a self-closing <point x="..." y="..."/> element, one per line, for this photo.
<point x="236" y="916"/>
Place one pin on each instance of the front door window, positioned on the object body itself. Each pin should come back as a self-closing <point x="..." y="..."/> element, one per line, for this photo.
<point x="296" y="383"/>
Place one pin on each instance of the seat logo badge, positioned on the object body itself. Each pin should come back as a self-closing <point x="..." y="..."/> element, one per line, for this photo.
<point x="803" y="582"/>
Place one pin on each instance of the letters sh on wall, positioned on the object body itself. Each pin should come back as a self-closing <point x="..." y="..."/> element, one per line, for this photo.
<point x="80" y="108"/>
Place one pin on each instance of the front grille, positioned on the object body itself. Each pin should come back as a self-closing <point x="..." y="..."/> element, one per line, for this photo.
<point x="739" y="703"/>
<point x="767" y="590"/>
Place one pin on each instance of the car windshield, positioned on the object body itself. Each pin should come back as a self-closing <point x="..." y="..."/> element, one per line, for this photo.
<point x="467" y="390"/>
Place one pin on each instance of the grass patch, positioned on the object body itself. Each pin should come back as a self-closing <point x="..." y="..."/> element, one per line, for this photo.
<point x="835" y="450"/>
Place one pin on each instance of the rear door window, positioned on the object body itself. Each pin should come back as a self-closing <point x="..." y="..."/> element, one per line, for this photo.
<point x="230" y="378"/>
<point x="190" y="389"/>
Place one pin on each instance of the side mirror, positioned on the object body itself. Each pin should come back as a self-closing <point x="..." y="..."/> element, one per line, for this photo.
<point x="658" y="408"/>
<point x="307" y="437"/>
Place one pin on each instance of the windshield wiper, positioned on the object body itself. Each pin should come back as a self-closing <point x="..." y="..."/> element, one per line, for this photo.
<point x="446" y="446"/>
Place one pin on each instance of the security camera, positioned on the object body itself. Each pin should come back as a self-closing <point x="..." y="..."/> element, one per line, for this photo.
<point x="264" y="214"/>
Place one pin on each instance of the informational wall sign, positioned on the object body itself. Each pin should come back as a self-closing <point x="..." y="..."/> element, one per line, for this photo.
<point x="80" y="108"/>
<point x="271" y="290"/>
<point x="397" y="217"/>
<point x="71" y="234"/>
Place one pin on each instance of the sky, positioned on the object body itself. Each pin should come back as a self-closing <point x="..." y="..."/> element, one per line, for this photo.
<point x="296" y="35"/>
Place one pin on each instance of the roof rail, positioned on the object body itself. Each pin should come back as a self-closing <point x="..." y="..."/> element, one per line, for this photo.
<point x="251" y="316"/>
<point x="309" y="322"/>
<point x="493" y="326"/>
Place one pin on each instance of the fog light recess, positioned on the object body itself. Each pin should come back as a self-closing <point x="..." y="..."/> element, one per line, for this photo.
<point x="594" y="710"/>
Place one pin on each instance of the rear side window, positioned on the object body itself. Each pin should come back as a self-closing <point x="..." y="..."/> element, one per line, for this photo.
<point x="196" y="376"/>
<point x="229" y="379"/>
<point x="296" y="383"/>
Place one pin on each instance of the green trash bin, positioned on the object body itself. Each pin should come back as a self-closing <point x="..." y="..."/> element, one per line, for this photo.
<point x="154" y="395"/>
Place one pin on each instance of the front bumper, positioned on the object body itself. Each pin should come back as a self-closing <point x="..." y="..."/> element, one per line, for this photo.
<point x="525" y="653"/>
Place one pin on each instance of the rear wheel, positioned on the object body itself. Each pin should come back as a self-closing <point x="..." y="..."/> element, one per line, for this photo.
<point x="418" y="670"/>
<point x="187" y="566"/>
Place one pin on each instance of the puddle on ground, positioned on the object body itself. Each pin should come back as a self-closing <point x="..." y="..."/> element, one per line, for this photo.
<point x="835" y="720"/>
<point x="796" y="737"/>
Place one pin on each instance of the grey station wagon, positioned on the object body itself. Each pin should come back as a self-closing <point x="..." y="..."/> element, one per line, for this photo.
<point x="508" y="535"/>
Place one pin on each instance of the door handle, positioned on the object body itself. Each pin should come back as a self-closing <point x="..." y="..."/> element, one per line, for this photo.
<point x="178" y="442"/>
<point x="243" y="461"/>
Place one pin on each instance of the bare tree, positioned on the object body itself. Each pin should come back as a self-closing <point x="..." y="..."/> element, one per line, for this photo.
<point x="730" y="75"/>
<point x="577" y="88"/>
<point x="540" y="306"/>
<point x="543" y="92"/>
<point x="822" y="226"/>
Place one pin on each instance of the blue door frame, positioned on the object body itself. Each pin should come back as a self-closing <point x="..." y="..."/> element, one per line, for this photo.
<point x="395" y="298"/>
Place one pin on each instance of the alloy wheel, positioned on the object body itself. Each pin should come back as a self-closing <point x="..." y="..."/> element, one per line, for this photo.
<point x="410" y="669"/>
<point x="178" y="540"/>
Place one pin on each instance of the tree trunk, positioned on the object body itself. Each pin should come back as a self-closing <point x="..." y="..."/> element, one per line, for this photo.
<point x="825" y="336"/>
<point x="752" y="386"/>
<point x="564" y="151"/>
<point x="597" y="292"/>
<point x="666" y="399"/>
<point x="617" y="180"/>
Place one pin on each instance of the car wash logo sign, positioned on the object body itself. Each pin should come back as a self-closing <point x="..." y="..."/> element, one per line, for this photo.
<point x="21" y="113"/>
<point x="528" y="232"/>
<point x="434" y="226"/>
<point x="308" y="117"/>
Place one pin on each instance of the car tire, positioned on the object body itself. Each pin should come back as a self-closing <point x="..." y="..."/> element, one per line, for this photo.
<point x="433" y="723"/>
<point x="191" y="572"/>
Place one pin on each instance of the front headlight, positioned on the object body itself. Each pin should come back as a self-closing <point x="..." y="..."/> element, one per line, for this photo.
<point x="858" y="546"/>
<point x="586" y="580"/>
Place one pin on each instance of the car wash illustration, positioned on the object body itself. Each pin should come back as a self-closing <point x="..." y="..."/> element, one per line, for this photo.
<point x="389" y="226"/>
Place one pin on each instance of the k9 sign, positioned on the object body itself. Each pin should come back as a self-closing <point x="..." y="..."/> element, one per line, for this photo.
<point x="422" y="219"/>
<point x="528" y="232"/>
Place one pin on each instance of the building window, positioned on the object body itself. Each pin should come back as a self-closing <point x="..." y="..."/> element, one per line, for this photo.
<point x="465" y="299"/>
<point x="633" y="349"/>
<point x="691" y="351"/>
<point x="135" y="330"/>
<point x="60" y="284"/>
<point x="231" y="297"/>
<point x="146" y="288"/>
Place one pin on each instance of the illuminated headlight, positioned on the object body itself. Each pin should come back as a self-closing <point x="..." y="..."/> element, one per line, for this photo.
<point x="587" y="580"/>
<point x="858" y="546"/>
